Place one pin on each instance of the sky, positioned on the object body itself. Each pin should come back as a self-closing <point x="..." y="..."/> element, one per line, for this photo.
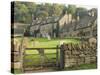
<point x="84" y="6"/>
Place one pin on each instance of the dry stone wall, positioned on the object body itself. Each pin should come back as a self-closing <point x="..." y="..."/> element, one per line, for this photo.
<point x="16" y="60"/>
<point x="15" y="54"/>
<point x="77" y="54"/>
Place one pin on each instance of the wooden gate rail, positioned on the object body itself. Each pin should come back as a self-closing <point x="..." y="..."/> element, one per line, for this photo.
<point x="42" y="48"/>
<point x="37" y="53"/>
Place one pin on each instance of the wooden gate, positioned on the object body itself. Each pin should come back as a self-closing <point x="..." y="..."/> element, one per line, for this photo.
<point x="41" y="61"/>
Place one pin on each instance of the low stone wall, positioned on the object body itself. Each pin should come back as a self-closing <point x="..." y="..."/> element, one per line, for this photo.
<point x="15" y="54"/>
<point x="77" y="54"/>
<point x="17" y="51"/>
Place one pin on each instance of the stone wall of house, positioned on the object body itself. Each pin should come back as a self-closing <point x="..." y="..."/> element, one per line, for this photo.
<point x="63" y="20"/>
<point x="77" y="54"/>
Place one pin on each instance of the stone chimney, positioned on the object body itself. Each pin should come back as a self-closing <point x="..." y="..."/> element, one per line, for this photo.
<point x="78" y="18"/>
<point x="70" y="18"/>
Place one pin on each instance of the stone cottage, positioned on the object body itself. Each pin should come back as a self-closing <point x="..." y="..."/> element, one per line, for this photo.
<point x="63" y="26"/>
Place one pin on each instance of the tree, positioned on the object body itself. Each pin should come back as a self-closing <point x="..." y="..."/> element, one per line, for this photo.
<point x="41" y="14"/>
<point x="32" y="8"/>
<point x="64" y="11"/>
<point x="23" y="11"/>
<point x="20" y="12"/>
<point x="57" y="9"/>
<point x="48" y="8"/>
<point x="71" y="10"/>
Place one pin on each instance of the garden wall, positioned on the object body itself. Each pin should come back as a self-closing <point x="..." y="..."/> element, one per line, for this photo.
<point x="77" y="54"/>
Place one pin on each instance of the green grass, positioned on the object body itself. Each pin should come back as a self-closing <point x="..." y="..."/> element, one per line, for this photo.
<point x="16" y="71"/>
<point x="82" y="67"/>
<point x="36" y="59"/>
<point x="36" y="52"/>
<point x="41" y="43"/>
<point x="44" y="43"/>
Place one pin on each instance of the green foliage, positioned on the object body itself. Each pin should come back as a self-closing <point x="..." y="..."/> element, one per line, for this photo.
<point x="42" y="14"/>
<point x="23" y="11"/>
<point x="20" y="12"/>
<point x="57" y="9"/>
<point x="71" y="9"/>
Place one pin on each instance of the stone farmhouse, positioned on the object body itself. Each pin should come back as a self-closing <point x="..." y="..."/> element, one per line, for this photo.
<point x="63" y="26"/>
<point x="86" y="26"/>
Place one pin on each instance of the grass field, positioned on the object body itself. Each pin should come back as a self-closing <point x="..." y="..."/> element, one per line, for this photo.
<point x="33" y="57"/>
<point x="82" y="67"/>
<point x="44" y="43"/>
<point x="50" y="54"/>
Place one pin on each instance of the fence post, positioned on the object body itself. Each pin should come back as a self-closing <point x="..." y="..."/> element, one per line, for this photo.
<point x="62" y="57"/>
<point x="57" y="57"/>
<point x="21" y="60"/>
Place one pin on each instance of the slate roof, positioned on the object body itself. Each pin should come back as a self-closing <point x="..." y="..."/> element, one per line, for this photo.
<point x="85" y="22"/>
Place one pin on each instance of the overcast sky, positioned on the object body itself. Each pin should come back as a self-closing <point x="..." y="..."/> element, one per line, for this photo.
<point x="84" y="6"/>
